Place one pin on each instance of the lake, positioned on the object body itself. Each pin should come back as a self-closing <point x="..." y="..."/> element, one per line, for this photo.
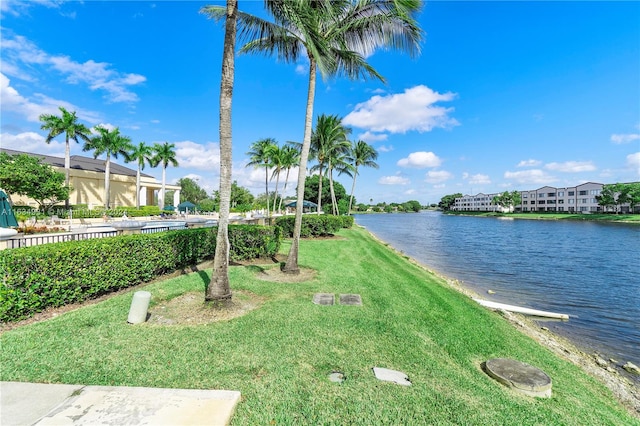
<point x="588" y="270"/>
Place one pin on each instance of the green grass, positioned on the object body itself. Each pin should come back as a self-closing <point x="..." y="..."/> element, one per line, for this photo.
<point x="280" y="355"/>
<point x="596" y="217"/>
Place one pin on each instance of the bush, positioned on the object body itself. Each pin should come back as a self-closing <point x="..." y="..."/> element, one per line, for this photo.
<point x="314" y="225"/>
<point x="52" y="275"/>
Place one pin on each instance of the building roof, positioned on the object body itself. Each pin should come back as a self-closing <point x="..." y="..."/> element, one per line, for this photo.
<point x="79" y="162"/>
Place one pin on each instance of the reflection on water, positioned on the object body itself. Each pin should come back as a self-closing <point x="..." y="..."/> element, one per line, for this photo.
<point x="588" y="270"/>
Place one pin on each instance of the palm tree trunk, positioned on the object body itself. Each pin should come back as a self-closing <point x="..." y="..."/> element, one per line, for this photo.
<point x="67" y="168"/>
<point x="334" y="202"/>
<point x="275" y="198"/>
<point x="138" y="188"/>
<point x="163" y="189"/>
<point x="286" y="180"/>
<point x="353" y="186"/>
<point x="319" y="209"/>
<point x="266" y="186"/>
<point x="218" y="288"/>
<point x="291" y="266"/>
<point x="107" y="182"/>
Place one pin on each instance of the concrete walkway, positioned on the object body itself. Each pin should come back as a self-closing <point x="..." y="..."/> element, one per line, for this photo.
<point x="23" y="404"/>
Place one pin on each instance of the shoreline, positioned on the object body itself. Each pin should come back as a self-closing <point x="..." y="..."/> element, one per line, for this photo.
<point x="623" y="389"/>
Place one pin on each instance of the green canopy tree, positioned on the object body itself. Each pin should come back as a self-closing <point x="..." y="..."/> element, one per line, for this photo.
<point x="336" y="37"/>
<point x="362" y="155"/>
<point x="68" y="124"/>
<point x="111" y="143"/>
<point x="312" y="190"/>
<point x="191" y="191"/>
<point x="448" y="200"/>
<point x="26" y="175"/>
<point x="142" y="154"/>
<point x="164" y="154"/>
<point x="290" y="158"/>
<point x="507" y="200"/>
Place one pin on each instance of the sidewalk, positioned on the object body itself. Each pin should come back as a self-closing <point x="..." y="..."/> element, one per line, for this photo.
<point x="23" y="404"/>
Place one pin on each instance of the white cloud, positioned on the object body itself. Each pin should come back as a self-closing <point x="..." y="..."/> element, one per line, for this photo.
<point x="373" y="137"/>
<point x="385" y="148"/>
<point x="533" y="176"/>
<point x="31" y="142"/>
<point x="624" y="138"/>
<point x="477" y="179"/>
<point x="529" y="163"/>
<point x="18" y="7"/>
<point x="302" y="69"/>
<point x="96" y="75"/>
<point x="399" y="113"/>
<point x="437" y="176"/>
<point x="393" y="180"/>
<point x="571" y="166"/>
<point x="201" y="157"/>
<point x="409" y="192"/>
<point x="420" y="160"/>
<point x="633" y="161"/>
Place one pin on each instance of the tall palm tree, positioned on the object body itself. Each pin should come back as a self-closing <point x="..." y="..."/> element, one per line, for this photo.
<point x="111" y="143"/>
<point x="362" y="154"/>
<point x="260" y="154"/>
<point x="143" y="155"/>
<point x="339" y="161"/>
<point x="67" y="124"/>
<point x="290" y="158"/>
<point x="164" y="154"/>
<point x="335" y="36"/>
<point x="276" y="162"/>
<point x="327" y="141"/>
<point x="219" y="288"/>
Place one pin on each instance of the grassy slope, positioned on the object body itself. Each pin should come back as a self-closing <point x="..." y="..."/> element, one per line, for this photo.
<point x="279" y="356"/>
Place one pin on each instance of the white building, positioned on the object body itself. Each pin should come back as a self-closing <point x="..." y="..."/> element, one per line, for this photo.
<point x="577" y="199"/>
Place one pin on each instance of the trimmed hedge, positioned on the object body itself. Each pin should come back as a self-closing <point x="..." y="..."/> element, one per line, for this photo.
<point x="52" y="275"/>
<point x="314" y="225"/>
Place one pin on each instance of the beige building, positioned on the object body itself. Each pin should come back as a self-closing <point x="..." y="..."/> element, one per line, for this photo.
<point x="86" y="177"/>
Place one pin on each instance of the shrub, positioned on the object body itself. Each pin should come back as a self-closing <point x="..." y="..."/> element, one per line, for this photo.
<point x="314" y="225"/>
<point x="52" y="275"/>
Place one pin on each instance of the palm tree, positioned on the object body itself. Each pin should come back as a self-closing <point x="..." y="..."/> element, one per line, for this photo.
<point x="142" y="154"/>
<point x="260" y="156"/>
<point x="164" y="154"/>
<point x="335" y="36"/>
<point x="339" y="161"/>
<point x="67" y="124"/>
<point x="111" y="143"/>
<point x="219" y="288"/>
<point x="290" y="158"/>
<point x="362" y="154"/>
<point x="327" y="141"/>
<point x="276" y="159"/>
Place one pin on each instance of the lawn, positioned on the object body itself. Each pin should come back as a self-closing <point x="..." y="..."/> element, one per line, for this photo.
<point x="280" y="354"/>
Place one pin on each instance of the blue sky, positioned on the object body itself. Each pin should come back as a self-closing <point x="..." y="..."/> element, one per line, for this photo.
<point x="504" y="96"/>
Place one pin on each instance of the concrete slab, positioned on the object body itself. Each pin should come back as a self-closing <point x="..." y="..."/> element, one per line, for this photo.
<point x="110" y="405"/>
<point x="323" y="299"/>
<point x="523" y="378"/>
<point x="351" y="299"/>
<point x="387" y="375"/>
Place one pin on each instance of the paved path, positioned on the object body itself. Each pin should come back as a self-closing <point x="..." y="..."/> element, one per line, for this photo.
<point x="23" y="404"/>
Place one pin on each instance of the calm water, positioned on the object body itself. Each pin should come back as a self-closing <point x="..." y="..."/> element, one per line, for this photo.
<point x="588" y="270"/>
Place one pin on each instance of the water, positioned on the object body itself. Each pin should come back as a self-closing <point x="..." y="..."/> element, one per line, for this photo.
<point x="588" y="270"/>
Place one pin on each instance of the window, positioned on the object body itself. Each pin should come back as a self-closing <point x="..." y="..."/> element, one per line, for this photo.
<point x="551" y="201"/>
<point x="584" y="200"/>
<point x="582" y="193"/>
<point x="572" y="193"/>
<point x="525" y="195"/>
<point x="561" y="194"/>
<point x="560" y="209"/>
<point x="525" y="203"/>
<point x="594" y="201"/>
<point x="571" y="200"/>
<point x="541" y="202"/>
<point x="540" y="195"/>
<point x="560" y="201"/>
<point x="551" y="194"/>
<point x="594" y="192"/>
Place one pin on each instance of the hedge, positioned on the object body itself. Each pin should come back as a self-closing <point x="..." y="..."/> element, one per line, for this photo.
<point x="52" y="275"/>
<point x="314" y="225"/>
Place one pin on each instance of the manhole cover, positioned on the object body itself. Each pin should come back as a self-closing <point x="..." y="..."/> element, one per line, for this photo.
<point x="522" y="377"/>
<point x="323" y="299"/>
<point x="350" y="299"/>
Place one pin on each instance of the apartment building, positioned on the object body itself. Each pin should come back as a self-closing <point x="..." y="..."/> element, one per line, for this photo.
<point x="577" y="199"/>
